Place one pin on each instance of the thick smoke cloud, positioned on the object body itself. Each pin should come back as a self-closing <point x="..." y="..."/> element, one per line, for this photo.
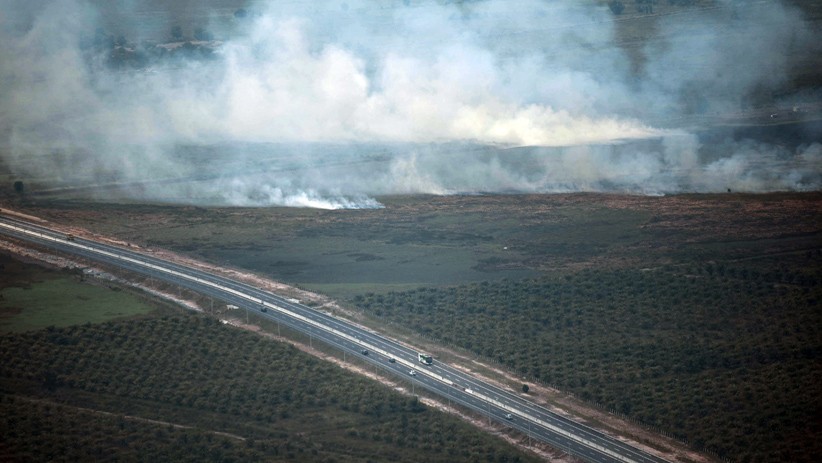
<point x="327" y="104"/>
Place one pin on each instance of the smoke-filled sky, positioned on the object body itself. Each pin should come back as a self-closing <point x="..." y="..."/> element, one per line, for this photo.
<point x="331" y="103"/>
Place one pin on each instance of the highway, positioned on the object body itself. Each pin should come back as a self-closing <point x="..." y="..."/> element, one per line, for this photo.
<point x="501" y="405"/>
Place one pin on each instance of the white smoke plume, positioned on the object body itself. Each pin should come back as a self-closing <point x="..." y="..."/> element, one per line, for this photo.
<point x="327" y="104"/>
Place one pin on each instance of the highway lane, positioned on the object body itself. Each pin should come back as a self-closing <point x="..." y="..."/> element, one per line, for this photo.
<point x="446" y="381"/>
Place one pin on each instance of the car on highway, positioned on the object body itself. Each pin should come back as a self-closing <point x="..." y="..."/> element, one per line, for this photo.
<point x="509" y="416"/>
<point x="391" y="360"/>
<point x="364" y="352"/>
<point x="413" y="372"/>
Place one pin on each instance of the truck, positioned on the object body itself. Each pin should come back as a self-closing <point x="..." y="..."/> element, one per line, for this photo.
<point x="425" y="359"/>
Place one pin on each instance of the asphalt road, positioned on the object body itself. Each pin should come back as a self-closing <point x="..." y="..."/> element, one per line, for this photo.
<point x="501" y="405"/>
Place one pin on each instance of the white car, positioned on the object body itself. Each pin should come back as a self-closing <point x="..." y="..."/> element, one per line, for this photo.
<point x="509" y="416"/>
<point x="413" y="372"/>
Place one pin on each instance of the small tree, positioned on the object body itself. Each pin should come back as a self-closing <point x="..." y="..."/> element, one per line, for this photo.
<point x="177" y="33"/>
<point x="616" y="7"/>
<point x="202" y="35"/>
<point x="525" y="388"/>
<point x="50" y="380"/>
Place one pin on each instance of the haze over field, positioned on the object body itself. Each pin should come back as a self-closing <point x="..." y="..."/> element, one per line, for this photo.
<point x="328" y="104"/>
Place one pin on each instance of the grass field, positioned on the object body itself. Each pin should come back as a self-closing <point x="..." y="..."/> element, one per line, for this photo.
<point x="32" y="298"/>
<point x="64" y="302"/>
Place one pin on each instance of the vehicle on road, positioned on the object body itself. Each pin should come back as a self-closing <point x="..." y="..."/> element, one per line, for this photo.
<point x="70" y="237"/>
<point x="364" y="352"/>
<point x="413" y="372"/>
<point x="509" y="416"/>
<point x="425" y="359"/>
<point x="263" y="309"/>
<point x="392" y="360"/>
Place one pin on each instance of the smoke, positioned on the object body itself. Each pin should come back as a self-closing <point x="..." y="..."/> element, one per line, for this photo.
<point x="328" y="104"/>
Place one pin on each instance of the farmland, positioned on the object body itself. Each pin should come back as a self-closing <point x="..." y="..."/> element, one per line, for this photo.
<point x="166" y="387"/>
<point x="688" y="312"/>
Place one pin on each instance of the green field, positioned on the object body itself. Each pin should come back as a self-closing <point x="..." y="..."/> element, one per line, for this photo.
<point x="32" y="298"/>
